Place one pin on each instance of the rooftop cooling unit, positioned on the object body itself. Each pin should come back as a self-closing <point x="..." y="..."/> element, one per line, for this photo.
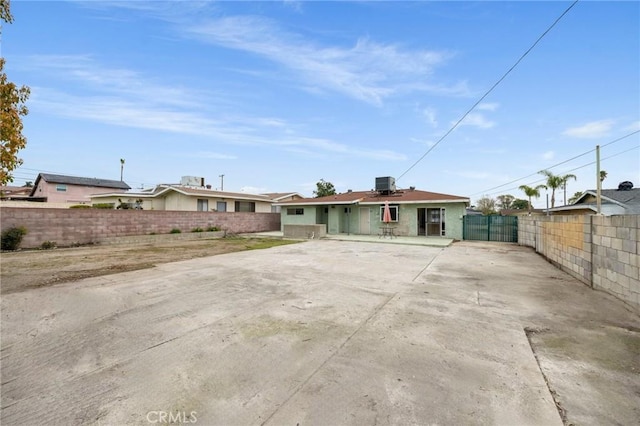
<point x="192" y="181"/>
<point x="625" y="186"/>
<point x="385" y="184"/>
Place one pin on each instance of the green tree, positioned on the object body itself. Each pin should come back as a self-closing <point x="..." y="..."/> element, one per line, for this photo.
<point x="323" y="189"/>
<point x="486" y="205"/>
<point x="520" y="204"/>
<point x="505" y="201"/>
<point x="532" y="191"/>
<point x="603" y="175"/>
<point x="575" y="197"/>
<point x="565" y="179"/>
<point x="12" y="109"/>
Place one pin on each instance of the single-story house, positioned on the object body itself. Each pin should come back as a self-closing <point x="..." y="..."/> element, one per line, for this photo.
<point x="53" y="188"/>
<point x="621" y="201"/>
<point x="279" y="197"/>
<point x="186" y="198"/>
<point x="413" y="212"/>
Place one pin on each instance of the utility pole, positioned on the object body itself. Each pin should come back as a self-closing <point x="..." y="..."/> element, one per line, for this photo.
<point x="221" y="182"/>
<point x="121" y="168"/>
<point x="599" y="181"/>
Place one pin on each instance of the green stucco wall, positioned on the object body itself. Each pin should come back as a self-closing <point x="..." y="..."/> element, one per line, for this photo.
<point x="339" y="221"/>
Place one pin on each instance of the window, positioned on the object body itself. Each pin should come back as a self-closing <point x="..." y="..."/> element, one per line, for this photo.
<point x="394" y="212"/>
<point x="221" y="206"/>
<point x="297" y="211"/>
<point x="61" y="188"/>
<point x="245" y="206"/>
<point x="203" y="205"/>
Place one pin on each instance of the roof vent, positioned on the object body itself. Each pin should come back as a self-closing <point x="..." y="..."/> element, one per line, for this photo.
<point x="349" y="191"/>
<point x="625" y="186"/>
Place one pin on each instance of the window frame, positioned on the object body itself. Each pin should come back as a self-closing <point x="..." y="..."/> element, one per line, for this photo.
<point x="250" y="204"/>
<point x="395" y="212"/>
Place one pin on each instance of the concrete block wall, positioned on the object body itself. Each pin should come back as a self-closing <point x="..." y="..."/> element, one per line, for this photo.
<point x="616" y="256"/>
<point x="305" y="231"/>
<point x="601" y="251"/>
<point x="83" y="226"/>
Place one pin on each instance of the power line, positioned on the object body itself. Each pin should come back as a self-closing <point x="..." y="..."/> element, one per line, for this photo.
<point x="558" y="164"/>
<point x="574" y="169"/>
<point x="457" y="123"/>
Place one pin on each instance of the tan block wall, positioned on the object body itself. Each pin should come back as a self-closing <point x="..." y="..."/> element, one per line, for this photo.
<point x="83" y="226"/>
<point x="601" y="251"/>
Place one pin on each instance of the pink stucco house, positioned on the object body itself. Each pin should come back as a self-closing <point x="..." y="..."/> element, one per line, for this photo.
<point x="71" y="189"/>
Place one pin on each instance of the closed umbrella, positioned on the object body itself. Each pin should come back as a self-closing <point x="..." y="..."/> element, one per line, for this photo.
<point x="386" y="215"/>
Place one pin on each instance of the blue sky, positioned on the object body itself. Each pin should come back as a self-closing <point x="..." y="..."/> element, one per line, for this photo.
<point x="278" y="95"/>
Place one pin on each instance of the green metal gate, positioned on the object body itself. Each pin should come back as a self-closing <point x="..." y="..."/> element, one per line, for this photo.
<point x="490" y="228"/>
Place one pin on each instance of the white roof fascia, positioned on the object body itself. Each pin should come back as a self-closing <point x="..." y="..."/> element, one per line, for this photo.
<point x="417" y="202"/>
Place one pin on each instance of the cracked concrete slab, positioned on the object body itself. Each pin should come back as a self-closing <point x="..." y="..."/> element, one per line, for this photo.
<point x="322" y="332"/>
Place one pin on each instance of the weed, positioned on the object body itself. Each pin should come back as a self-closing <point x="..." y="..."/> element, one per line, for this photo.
<point x="12" y="237"/>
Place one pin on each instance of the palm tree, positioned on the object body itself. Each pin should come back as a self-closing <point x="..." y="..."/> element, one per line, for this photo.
<point x="532" y="192"/>
<point x="603" y="175"/>
<point x="575" y="197"/>
<point x="564" y="179"/>
<point x="554" y="182"/>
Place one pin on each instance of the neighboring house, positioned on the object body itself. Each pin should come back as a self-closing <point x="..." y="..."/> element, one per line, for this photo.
<point x="413" y="212"/>
<point x="621" y="201"/>
<point x="186" y="198"/>
<point x="281" y="197"/>
<point x="52" y="188"/>
<point x="522" y="212"/>
<point x="15" y="192"/>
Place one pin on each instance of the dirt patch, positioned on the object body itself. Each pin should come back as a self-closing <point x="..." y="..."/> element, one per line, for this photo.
<point x="26" y="269"/>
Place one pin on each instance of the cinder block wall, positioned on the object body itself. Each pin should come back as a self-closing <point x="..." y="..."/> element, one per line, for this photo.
<point x="601" y="251"/>
<point x="616" y="256"/>
<point x="83" y="226"/>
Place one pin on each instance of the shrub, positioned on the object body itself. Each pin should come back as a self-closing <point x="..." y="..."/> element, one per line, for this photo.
<point x="175" y="231"/>
<point x="80" y="206"/>
<point x="212" y="229"/>
<point x="48" y="245"/>
<point x="198" y="229"/>
<point x="106" y="206"/>
<point x="12" y="237"/>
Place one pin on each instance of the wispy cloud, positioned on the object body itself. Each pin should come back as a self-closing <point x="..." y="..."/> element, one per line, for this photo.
<point x="430" y="116"/>
<point x="549" y="155"/>
<point x="488" y="106"/>
<point x="123" y="98"/>
<point x="633" y="126"/>
<point x="215" y="156"/>
<point x="591" y="130"/>
<point x="366" y="70"/>
<point x="477" y="119"/>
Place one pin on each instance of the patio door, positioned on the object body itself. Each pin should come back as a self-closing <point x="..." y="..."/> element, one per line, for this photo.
<point x="422" y="221"/>
<point x="435" y="222"/>
<point x="365" y="221"/>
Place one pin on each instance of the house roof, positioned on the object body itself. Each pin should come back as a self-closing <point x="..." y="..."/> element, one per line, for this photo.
<point x="409" y="196"/>
<point x="81" y="181"/>
<point x="629" y="200"/>
<point x="15" y="190"/>
<point x="189" y="191"/>
<point x="277" y="196"/>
